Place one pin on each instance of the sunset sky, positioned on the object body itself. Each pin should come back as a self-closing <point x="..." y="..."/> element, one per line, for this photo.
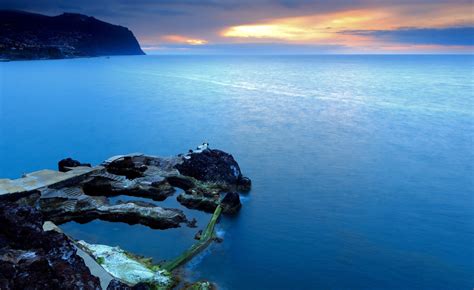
<point x="281" y="26"/>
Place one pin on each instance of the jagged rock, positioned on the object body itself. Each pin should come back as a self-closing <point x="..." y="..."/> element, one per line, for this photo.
<point x="200" y="202"/>
<point x="33" y="259"/>
<point x="66" y="164"/>
<point x="211" y="165"/>
<point x="101" y="186"/>
<point x="117" y="285"/>
<point x="126" y="167"/>
<point x="85" y="209"/>
<point x="198" y="235"/>
<point x="244" y="184"/>
<point x="192" y="223"/>
<point x="231" y="203"/>
<point x="182" y="182"/>
<point x="201" y="285"/>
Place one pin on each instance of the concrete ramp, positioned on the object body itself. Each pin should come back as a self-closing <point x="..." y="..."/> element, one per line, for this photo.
<point x="42" y="178"/>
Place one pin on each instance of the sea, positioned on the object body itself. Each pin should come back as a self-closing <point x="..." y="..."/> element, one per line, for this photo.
<point x="362" y="165"/>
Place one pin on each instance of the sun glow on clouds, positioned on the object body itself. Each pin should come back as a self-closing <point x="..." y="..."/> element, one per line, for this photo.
<point x="304" y="28"/>
<point x="183" y="39"/>
<point x="330" y="28"/>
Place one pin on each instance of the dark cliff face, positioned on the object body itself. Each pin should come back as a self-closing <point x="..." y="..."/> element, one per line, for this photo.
<point x="34" y="36"/>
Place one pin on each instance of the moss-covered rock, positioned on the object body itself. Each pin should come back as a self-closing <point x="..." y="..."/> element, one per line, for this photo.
<point x="200" y="285"/>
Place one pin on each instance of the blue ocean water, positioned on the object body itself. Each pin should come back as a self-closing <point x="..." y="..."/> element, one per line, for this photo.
<point x="362" y="166"/>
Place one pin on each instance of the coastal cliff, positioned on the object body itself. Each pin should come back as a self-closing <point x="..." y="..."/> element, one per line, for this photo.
<point x="26" y="35"/>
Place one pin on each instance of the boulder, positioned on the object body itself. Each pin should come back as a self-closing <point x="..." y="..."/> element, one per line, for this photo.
<point x="200" y="202"/>
<point x="31" y="258"/>
<point x="231" y="203"/>
<point x="211" y="165"/>
<point x="198" y="235"/>
<point x="66" y="164"/>
<point x="200" y="285"/>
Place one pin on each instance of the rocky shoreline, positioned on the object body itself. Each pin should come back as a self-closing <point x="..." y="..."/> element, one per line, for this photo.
<point x="210" y="179"/>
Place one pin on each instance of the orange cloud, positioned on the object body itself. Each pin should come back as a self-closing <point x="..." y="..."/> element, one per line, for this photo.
<point x="183" y="39"/>
<point x="326" y="28"/>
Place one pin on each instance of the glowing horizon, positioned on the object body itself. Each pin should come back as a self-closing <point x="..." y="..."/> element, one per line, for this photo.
<point x="344" y="28"/>
<point x="268" y="26"/>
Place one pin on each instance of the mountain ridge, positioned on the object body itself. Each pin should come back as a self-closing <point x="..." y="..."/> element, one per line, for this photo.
<point x="26" y="35"/>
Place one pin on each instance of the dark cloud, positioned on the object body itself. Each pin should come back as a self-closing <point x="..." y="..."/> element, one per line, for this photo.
<point x="463" y="36"/>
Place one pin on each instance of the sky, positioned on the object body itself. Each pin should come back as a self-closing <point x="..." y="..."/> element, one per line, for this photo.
<point x="280" y="26"/>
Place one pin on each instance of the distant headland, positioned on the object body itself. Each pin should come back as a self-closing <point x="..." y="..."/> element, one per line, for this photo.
<point x="25" y="36"/>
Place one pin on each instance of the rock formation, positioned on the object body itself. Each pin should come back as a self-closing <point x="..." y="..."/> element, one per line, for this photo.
<point x="67" y="164"/>
<point x="213" y="166"/>
<point x="209" y="178"/>
<point x="31" y="258"/>
<point x="26" y="35"/>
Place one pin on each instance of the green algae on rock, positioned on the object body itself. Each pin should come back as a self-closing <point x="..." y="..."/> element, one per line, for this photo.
<point x="200" y="285"/>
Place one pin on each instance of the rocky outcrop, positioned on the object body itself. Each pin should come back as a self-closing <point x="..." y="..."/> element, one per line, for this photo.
<point x="67" y="164"/>
<point x="205" y="174"/>
<point x="213" y="166"/>
<point x="231" y="203"/>
<point x="210" y="179"/>
<point x="118" y="285"/>
<point x="103" y="186"/>
<point x="194" y="201"/>
<point x="60" y="207"/>
<point x="200" y="285"/>
<point x="31" y="258"/>
<point x="126" y="167"/>
<point x="26" y="35"/>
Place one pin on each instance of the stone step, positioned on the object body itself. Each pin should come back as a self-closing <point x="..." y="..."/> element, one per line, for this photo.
<point x="110" y="176"/>
<point x="72" y="191"/>
<point x="69" y="205"/>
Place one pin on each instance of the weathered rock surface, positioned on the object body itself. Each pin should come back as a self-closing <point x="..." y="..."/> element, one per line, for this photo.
<point x="67" y="164"/>
<point x="126" y="167"/>
<point x="33" y="259"/>
<point x="194" y="201"/>
<point x="59" y="207"/>
<point x="215" y="166"/>
<point x="204" y="175"/>
<point x="81" y="194"/>
<point x="102" y="186"/>
<point x="200" y="285"/>
<point x="231" y="203"/>
<point x="118" y="285"/>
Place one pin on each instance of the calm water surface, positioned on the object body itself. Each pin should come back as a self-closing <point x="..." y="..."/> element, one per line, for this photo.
<point x="362" y="165"/>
